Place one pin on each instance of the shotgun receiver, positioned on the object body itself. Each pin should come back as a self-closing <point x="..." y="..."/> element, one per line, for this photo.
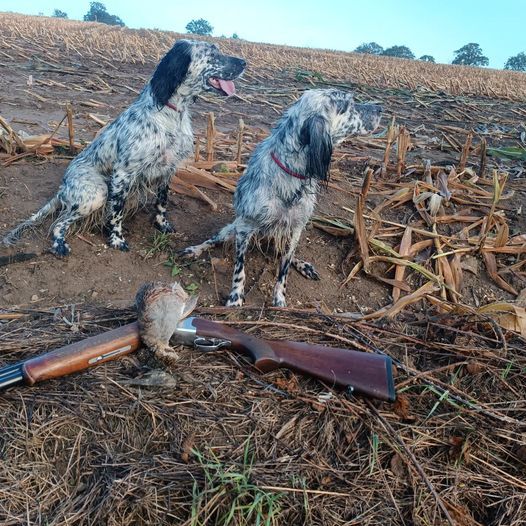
<point x="368" y="374"/>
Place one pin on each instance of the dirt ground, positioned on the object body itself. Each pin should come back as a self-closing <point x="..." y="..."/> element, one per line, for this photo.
<point x="96" y="274"/>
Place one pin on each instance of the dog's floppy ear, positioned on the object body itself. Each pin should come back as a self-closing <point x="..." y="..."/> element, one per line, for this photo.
<point x="170" y="72"/>
<point x="315" y="136"/>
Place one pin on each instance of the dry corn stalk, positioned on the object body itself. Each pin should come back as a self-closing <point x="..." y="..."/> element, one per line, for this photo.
<point x="71" y="131"/>
<point x="210" y="136"/>
<point x="197" y="152"/>
<point x="392" y="132"/>
<point x="359" y="220"/>
<point x="465" y="152"/>
<point x="404" y="142"/>
<point x="13" y="137"/>
<point x="240" y="140"/>
<point x="482" y="167"/>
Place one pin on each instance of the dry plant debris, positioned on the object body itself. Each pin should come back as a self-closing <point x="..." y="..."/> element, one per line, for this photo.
<point x="124" y="444"/>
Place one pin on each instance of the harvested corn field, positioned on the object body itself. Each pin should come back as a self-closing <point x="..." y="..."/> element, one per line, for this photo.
<point x="419" y="241"/>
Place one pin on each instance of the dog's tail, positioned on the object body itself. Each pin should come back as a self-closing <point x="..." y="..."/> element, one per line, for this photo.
<point x="35" y="219"/>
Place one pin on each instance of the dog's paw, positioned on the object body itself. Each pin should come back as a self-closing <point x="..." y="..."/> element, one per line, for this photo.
<point x="118" y="243"/>
<point x="164" y="226"/>
<point x="279" y="301"/>
<point x="235" y="300"/>
<point x="60" y="249"/>
<point x="188" y="252"/>
<point x="307" y="270"/>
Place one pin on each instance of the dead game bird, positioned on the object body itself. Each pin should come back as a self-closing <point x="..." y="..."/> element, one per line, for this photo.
<point x="160" y="307"/>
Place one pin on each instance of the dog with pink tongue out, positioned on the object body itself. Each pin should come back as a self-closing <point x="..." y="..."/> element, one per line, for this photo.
<point x="136" y="155"/>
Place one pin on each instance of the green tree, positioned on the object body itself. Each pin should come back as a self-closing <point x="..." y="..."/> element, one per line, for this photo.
<point x="57" y="13"/>
<point x="470" y="55"/>
<point x="199" y="27"/>
<point x="371" y="48"/>
<point x="427" y="58"/>
<point x="97" y="13"/>
<point x="517" y="63"/>
<point x="235" y="36"/>
<point x="398" y="51"/>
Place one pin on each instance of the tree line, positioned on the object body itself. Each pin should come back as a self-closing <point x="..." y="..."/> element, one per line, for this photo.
<point x="469" y="55"/>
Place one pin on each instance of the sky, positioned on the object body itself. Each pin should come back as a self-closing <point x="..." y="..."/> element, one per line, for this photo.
<point x="427" y="28"/>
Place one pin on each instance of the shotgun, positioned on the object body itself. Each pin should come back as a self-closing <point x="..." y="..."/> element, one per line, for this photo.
<point x="364" y="373"/>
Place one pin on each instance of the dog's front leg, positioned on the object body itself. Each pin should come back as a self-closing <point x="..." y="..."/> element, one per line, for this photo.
<point x="237" y="294"/>
<point x="160" y="222"/>
<point x="278" y="297"/>
<point x="119" y="188"/>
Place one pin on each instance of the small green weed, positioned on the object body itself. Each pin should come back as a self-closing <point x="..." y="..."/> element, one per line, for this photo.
<point x="229" y="497"/>
<point x="160" y="243"/>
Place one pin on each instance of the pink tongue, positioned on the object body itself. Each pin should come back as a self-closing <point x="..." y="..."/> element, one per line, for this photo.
<point x="227" y="86"/>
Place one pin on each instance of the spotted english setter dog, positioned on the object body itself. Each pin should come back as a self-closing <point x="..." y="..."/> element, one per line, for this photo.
<point x="276" y="195"/>
<point x="138" y="153"/>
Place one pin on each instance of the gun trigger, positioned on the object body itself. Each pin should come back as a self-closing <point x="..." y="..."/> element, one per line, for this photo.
<point x="210" y="344"/>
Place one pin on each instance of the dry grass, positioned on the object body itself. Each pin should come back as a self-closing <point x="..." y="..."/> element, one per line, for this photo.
<point x="22" y="34"/>
<point x="118" y="445"/>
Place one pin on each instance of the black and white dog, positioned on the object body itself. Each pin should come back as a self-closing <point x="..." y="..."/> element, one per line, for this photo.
<point x="276" y="195"/>
<point x="138" y="153"/>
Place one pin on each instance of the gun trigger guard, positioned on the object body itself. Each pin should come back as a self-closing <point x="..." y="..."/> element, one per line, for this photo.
<point x="210" y="344"/>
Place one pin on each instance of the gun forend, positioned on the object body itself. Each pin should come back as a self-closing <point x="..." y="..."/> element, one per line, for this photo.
<point x="74" y="357"/>
<point x="366" y="373"/>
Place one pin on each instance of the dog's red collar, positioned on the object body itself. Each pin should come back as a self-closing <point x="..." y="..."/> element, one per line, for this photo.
<point x="172" y="106"/>
<point x="285" y="169"/>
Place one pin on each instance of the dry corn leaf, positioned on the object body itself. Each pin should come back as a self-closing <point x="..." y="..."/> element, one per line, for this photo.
<point x="384" y="247"/>
<point x="181" y="187"/>
<point x="507" y="315"/>
<point x="442" y="184"/>
<point x="399" y="197"/>
<point x="401" y="285"/>
<point x="359" y="220"/>
<point x="503" y="235"/>
<point x="405" y="248"/>
<point x="417" y="247"/>
<point x="395" y="308"/>
<point x="456" y="271"/>
<point x="353" y="273"/>
<point x="198" y="177"/>
<point x="491" y="266"/>
<point x="332" y="226"/>
<point x="415" y="266"/>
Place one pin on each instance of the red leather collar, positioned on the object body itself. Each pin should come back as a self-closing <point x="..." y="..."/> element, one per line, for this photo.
<point x="285" y="169"/>
<point x="170" y="105"/>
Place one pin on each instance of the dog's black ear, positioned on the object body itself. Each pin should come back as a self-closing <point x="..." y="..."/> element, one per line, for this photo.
<point x="315" y="136"/>
<point x="170" y="72"/>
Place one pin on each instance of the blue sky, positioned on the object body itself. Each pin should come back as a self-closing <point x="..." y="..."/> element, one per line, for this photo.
<point x="434" y="28"/>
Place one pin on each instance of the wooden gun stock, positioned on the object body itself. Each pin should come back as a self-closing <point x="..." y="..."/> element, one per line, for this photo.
<point x="369" y="374"/>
